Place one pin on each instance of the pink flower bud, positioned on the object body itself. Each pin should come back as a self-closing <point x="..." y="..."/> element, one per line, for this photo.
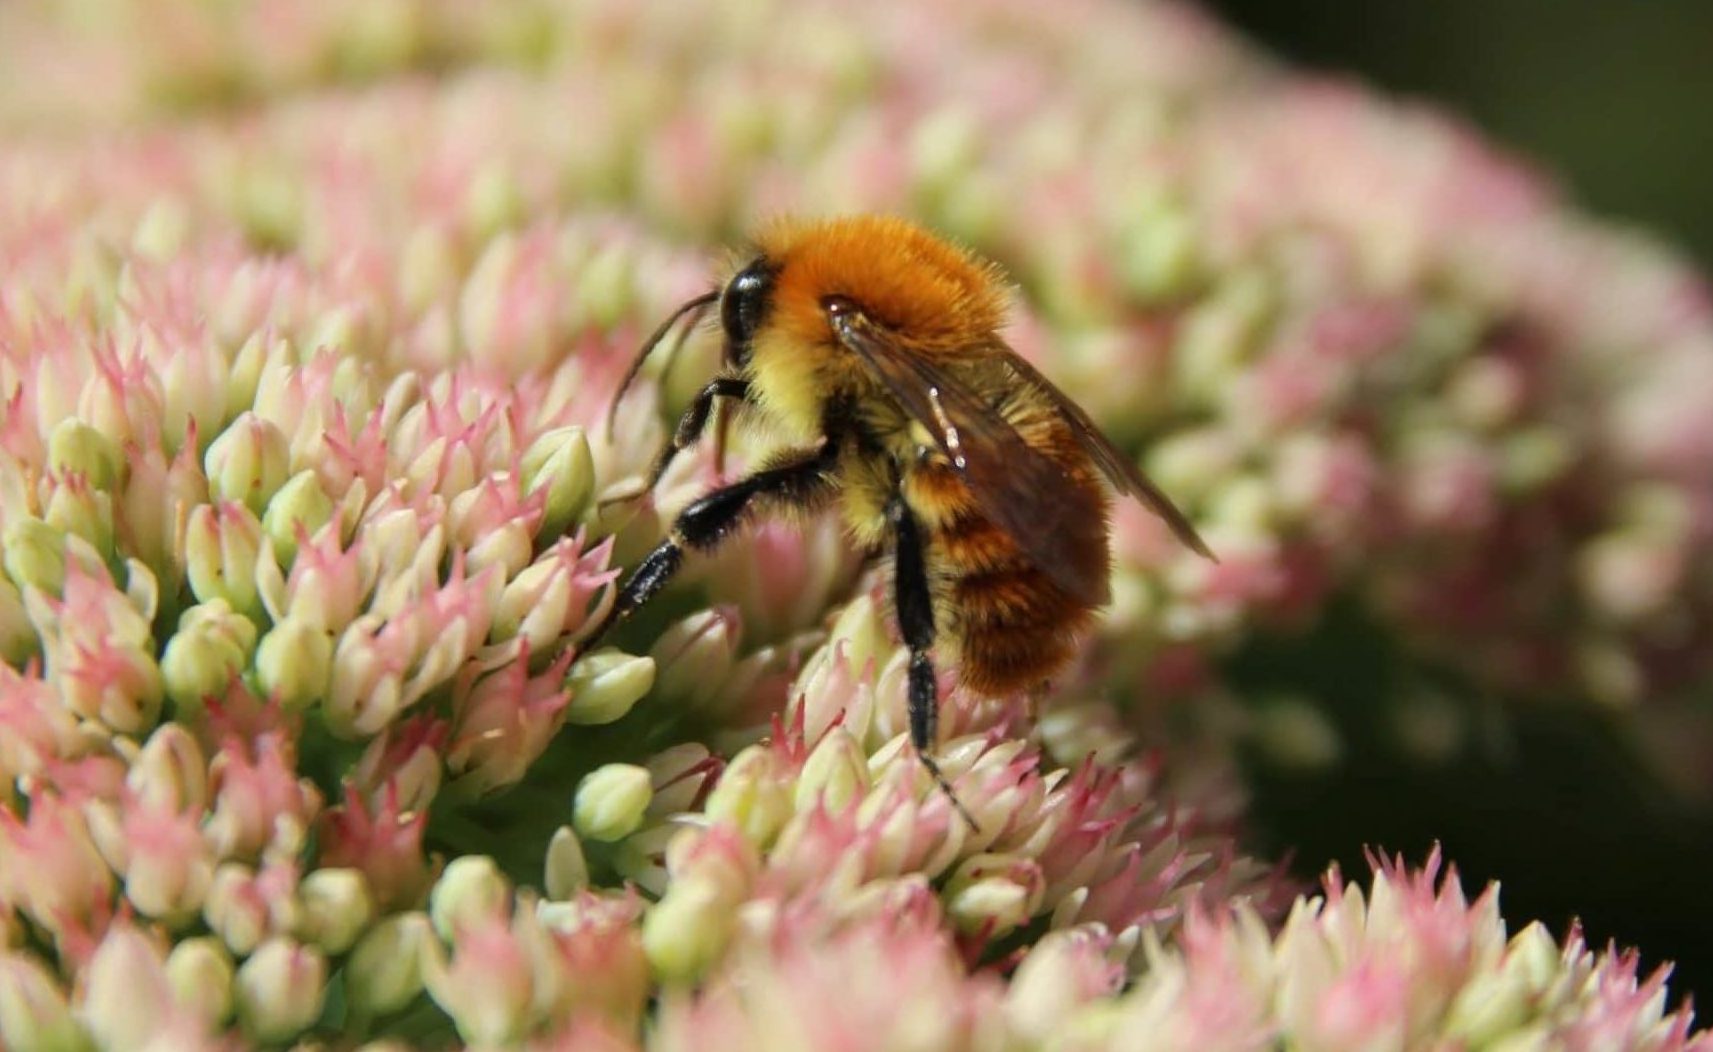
<point x="126" y="997"/>
<point x="382" y="840"/>
<point x="596" y="943"/>
<point x="504" y="722"/>
<point x="405" y="760"/>
<point x="259" y="802"/>
<point x="123" y="401"/>
<point x="693" y="658"/>
<point x="99" y="651"/>
<point x="327" y="584"/>
<point x="551" y="598"/>
<point x="244" y="907"/>
<point x="1065" y="970"/>
<point x="169" y="772"/>
<point x="494" y="524"/>
<point x="488" y="987"/>
<point x="35" y="726"/>
<point x="54" y="874"/>
<point x="168" y="866"/>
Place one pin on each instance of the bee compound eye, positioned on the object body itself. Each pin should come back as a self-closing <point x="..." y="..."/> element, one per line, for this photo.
<point x="744" y="304"/>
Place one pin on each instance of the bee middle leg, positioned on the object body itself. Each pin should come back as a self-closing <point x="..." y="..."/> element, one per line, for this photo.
<point x="914" y="603"/>
<point x="712" y="518"/>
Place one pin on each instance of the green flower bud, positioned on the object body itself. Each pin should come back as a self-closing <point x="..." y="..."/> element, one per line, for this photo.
<point x="567" y="869"/>
<point x="17" y="635"/>
<point x="300" y="503"/>
<point x="279" y="990"/>
<point x="695" y="656"/>
<point x="611" y="801"/>
<point x="470" y="889"/>
<point x="211" y="646"/>
<point x="427" y="270"/>
<point x="687" y="930"/>
<point x="605" y="684"/>
<point x="201" y="973"/>
<point x="494" y="201"/>
<point x="994" y="893"/>
<point x="221" y="546"/>
<point x="605" y="286"/>
<point x="247" y="463"/>
<point x="77" y="448"/>
<point x="835" y="773"/>
<point x="336" y="908"/>
<point x="1158" y="259"/>
<point x="754" y="795"/>
<point x="81" y="510"/>
<point x="385" y="970"/>
<point x="245" y="375"/>
<point x="34" y="554"/>
<point x="560" y="462"/>
<point x="169" y="773"/>
<point x="293" y="663"/>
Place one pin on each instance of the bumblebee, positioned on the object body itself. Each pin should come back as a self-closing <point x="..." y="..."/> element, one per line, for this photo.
<point x="871" y="346"/>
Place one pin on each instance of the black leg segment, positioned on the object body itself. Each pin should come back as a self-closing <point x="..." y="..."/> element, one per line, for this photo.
<point x="914" y="603"/>
<point x="694" y="420"/>
<point x="711" y="519"/>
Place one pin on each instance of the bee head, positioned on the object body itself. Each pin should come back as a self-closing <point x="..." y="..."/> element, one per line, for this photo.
<point x="744" y="304"/>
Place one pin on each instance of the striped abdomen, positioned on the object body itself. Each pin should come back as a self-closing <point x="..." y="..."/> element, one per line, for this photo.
<point x="1010" y="622"/>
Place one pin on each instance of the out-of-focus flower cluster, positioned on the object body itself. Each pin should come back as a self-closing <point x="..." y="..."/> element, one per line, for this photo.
<point x="309" y="314"/>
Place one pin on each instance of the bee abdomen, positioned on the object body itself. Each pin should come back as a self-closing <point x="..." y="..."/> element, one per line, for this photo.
<point x="1013" y="626"/>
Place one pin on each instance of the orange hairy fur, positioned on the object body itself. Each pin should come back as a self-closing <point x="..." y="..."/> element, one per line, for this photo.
<point x="1007" y="622"/>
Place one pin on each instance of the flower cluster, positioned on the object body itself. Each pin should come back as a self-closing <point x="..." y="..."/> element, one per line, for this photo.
<point x="310" y="313"/>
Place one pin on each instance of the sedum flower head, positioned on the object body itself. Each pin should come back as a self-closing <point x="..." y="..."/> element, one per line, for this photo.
<point x="309" y="506"/>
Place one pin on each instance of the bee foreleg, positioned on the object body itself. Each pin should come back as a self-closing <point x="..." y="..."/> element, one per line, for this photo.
<point x="915" y="606"/>
<point x="710" y="519"/>
<point x="691" y="425"/>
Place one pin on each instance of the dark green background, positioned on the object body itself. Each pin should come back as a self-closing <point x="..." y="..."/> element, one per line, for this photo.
<point x="1614" y="100"/>
<point x="1612" y="97"/>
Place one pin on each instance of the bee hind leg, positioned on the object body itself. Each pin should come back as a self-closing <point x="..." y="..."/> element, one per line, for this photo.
<point x="915" y="606"/>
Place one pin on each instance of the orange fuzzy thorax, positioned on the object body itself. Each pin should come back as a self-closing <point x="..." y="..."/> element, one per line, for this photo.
<point x="901" y="275"/>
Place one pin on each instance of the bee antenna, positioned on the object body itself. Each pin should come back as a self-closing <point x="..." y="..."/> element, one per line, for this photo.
<point x="946" y="787"/>
<point x="694" y="307"/>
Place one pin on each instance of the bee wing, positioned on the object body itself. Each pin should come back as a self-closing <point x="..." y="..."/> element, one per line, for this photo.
<point x="1017" y="488"/>
<point x="1125" y="476"/>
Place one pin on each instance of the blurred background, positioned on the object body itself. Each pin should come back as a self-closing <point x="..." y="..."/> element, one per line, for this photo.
<point x="1614" y="101"/>
<point x="1614" y="98"/>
